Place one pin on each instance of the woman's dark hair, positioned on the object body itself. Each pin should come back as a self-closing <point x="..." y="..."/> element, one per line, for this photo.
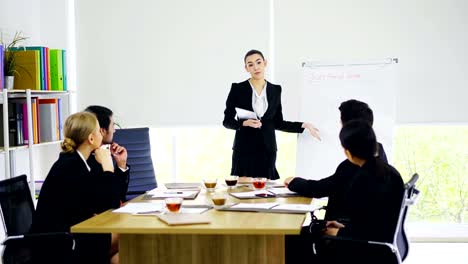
<point x="103" y="115"/>
<point x="358" y="137"/>
<point x="252" y="52"/>
<point x="354" y="109"/>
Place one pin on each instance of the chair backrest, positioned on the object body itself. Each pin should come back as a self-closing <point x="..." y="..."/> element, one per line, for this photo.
<point x="409" y="198"/>
<point x="137" y="143"/>
<point x="16" y="205"/>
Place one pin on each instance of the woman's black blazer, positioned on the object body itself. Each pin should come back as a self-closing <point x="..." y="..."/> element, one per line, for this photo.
<point x="248" y="138"/>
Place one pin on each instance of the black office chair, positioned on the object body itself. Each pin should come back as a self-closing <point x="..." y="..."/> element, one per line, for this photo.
<point x="137" y="143"/>
<point x="382" y="252"/>
<point x="17" y="210"/>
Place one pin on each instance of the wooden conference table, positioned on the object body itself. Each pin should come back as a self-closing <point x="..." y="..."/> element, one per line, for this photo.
<point x="231" y="237"/>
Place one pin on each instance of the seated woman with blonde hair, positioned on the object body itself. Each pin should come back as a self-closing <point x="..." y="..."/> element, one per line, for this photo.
<point x="72" y="193"/>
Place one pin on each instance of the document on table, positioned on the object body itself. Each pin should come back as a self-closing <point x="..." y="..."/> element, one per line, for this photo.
<point x="273" y="208"/>
<point x="295" y="208"/>
<point x="245" y="114"/>
<point x="184" y="219"/>
<point x="138" y="208"/>
<point x="157" y="208"/>
<point x="283" y="192"/>
<point x="253" y="206"/>
<point x="249" y="195"/>
<point x="161" y="193"/>
<point x="182" y="185"/>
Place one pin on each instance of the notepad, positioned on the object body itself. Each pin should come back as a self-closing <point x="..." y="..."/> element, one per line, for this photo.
<point x="182" y="185"/>
<point x="136" y="208"/>
<point x="272" y="208"/>
<point x="282" y="192"/>
<point x="295" y="208"/>
<point x="253" y="206"/>
<point x="161" y="194"/>
<point x="184" y="219"/>
<point x="249" y="195"/>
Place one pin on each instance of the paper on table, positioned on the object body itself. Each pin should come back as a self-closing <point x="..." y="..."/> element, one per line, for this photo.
<point x="245" y="114"/>
<point x="160" y="193"/>
<point x="182" y="185"/>
<point x="282" y="191"/>
<point x="138" y="208"/>
<point x="296" y="207"/>
<point x="185" y="210"/>
<point x="254" y="205"/>
<point x="243" y="195"/>
<point x="184" y="219"/>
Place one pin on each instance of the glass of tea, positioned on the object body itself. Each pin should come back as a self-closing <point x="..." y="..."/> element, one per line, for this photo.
<point x="219" y="200"/>
<point x="173" y="204"/>
<point x="210" y="184"/>
<point x="231" y="181"/>
<point x="259" y="183"/>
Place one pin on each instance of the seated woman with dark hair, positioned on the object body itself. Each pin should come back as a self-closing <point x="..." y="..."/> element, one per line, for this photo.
<point x="375" y="191"/>
<point x="72" y="193"/>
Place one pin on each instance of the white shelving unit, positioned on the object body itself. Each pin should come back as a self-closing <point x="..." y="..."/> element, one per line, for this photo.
<point x="8" y="150"/>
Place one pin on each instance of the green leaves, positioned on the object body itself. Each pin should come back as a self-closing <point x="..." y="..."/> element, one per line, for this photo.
<point x="10" y="66"/>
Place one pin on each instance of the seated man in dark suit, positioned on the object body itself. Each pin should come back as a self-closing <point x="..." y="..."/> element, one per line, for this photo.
<point x="106" y="121"/>
<point x="119" y="153"/>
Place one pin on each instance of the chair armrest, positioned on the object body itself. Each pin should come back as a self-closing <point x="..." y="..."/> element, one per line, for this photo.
<point x="39" y="248"/>
<point x="384" y="248"/>
<point x="40" y="239"/>
<point x="359" y="241"/>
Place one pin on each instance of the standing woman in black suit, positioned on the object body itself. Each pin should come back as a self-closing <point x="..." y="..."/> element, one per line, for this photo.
<point x="254" y="149"/>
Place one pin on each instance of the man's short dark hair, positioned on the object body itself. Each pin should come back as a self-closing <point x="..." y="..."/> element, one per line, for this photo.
<point x="103" y="115"/>
<point x="354" y="109"/>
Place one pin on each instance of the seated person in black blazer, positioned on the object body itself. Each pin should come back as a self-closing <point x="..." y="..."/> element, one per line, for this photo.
<point x="372" y="195"/>
<point x="254" y="148"/>
<point x="334" y="186"/>
<point x="72" y="192"/>
<point x="106" y="121"/>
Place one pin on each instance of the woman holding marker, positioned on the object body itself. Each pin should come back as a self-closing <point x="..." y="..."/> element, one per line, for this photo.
<point x="254" y="148"/>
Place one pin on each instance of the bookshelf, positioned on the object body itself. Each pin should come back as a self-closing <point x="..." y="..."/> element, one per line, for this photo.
<point x="30" y="98"/>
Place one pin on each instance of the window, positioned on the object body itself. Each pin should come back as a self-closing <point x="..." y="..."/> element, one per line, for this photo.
<point x="192" y="153"/>
<point x="439" y="154"/>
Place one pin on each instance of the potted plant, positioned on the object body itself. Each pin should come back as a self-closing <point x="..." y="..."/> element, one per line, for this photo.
<point x="10" y="67"/>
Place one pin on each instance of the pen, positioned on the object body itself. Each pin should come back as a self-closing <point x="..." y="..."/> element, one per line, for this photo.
<point x="174" y="192"/>
<point x="149" y="212"/>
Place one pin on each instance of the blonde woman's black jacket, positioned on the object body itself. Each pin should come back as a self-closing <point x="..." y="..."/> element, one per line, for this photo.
<point x="71" y="194"/>
<point x="248" y="138"/>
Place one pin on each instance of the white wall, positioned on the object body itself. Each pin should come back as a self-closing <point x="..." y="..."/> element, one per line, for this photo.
<point x="428" y="36"/>
<point x="170" y="63"/>
<point x="165" y="63"/>
<point x="20" y="15"/>
<point x="43" y="21"/>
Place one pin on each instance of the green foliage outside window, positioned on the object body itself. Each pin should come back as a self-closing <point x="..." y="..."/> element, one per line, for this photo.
<point x="439" y="154"/>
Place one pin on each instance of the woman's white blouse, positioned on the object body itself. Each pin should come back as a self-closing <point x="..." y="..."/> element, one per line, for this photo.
<point x="259" y="102"/>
